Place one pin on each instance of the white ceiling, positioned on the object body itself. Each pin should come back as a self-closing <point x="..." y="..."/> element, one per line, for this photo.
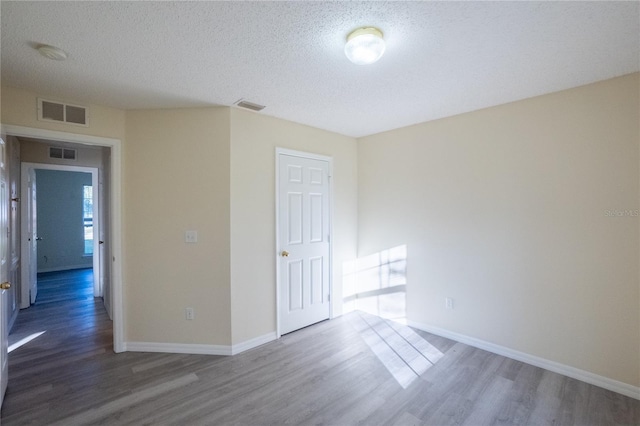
<point x="442" y="58"/>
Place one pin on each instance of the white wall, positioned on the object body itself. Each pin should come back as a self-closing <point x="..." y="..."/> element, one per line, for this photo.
<point x="254" y="138"/>
<point x="60" y="220"/>
<point x="508" y="211"/>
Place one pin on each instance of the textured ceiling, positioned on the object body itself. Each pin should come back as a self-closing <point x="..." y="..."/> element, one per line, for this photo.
<point x="442" y="58"/>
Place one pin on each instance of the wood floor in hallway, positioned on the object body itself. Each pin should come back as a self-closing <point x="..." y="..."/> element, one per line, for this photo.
<point x="356" y="369"/>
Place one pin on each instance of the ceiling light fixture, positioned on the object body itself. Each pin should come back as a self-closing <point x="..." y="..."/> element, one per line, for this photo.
<point x="52" y="52"/>
<point x="364" y="45"/>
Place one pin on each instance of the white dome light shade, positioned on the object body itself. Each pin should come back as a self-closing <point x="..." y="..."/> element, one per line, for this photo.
<point x="364" y="46"/>
<point x="52" y="52"/>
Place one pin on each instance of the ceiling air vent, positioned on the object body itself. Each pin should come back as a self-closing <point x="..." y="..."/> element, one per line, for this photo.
<point x="249" y="105"/>
<point x="62" y="113"/>
<point x="62" y="153"/>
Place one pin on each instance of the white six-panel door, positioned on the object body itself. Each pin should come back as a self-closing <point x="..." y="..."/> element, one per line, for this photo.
<point x="304" y="246"/>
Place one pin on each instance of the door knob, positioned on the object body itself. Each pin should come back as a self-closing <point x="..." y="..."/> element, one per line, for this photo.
<point x="285" y="253"/>
<point x="5" y="286"/>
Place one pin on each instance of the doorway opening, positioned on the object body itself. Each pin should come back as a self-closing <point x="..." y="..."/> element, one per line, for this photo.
<point x="108" y="183"/>
<point x="61" y="225"/>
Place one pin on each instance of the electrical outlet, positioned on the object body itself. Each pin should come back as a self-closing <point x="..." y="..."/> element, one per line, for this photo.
<point x="448" y="302"/>
<point x="191" y="236"/>
<point x="189" y="313"/>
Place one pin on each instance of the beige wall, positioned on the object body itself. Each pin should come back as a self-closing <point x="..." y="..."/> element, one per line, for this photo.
<point x="177" y="179"/>
<point x="502" y="209"/>
<point x="20" y="108"/>
<point x="179" y="173"/>
<point x="254" y="138"/>
<point x="505" y="211"/>
<point x="33" y="151"/>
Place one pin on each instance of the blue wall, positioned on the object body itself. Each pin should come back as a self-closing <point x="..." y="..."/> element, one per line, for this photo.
<point x="59" y="217"/>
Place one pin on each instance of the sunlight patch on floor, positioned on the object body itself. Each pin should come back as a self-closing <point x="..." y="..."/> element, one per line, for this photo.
<point x="24" y="341"/>
<point x="402" y="351"/>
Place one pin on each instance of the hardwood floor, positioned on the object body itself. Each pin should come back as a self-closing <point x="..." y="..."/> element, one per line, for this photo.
<point x="356" y="369"/>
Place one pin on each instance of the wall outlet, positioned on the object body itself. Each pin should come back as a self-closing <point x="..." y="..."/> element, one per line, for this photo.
<point x="191" y="236"/>
<point x="189" y="313"/>
<point x="448" y="302"/>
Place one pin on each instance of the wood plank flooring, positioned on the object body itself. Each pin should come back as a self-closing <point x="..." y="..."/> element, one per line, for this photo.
<point x="356" y="369"/>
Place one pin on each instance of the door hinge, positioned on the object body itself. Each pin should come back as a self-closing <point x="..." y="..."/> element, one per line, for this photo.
<point x="329" y="297"/>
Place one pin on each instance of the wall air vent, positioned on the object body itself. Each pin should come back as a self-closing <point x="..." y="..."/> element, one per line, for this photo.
<point x="249" y="105"/>
<point x="62" y="113"/>
<point x="62" y="153"/>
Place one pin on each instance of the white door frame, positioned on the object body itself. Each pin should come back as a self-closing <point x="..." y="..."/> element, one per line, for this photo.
<point x="25" y="167"/>
<point x="115" y="211"/>
<point x="301" y="154"/>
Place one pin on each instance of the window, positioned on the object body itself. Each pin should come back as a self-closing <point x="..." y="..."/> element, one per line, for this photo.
<point x="87" y="219"/>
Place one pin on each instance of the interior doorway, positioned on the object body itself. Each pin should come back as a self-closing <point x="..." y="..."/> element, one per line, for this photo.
<point x="112" y="291"/>
<point x="61" y="225"/>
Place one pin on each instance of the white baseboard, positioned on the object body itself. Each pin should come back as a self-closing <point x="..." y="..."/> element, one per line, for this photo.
<point x="177" y="348"/>
<point x="197" y="349"/>
<point x="107" y="307"/>
<point x="566" y="370"/>
<point x="64" y="268"/>
<point x="252" y="343"/>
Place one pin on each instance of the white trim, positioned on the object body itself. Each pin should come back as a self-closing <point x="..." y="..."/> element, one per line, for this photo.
<point x="566" y="370"/>
<point x="253" y="343"/>
<point x="197" y="349"/>
<point x="25" y="249"/>
<point x="312" y="156"/>
<point x="54" y="135"/>
<point x="178" y="348"/>
<point x="116" y="210"/>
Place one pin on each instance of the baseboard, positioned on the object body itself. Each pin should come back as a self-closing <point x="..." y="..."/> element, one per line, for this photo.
<point x="196" y="349"/>
<point x="566" y="370"/>
<point x="177" y="348"/>
<point x="64" y="268"/>
<point x="252" y="343"/>
<point x="107" y="307"/>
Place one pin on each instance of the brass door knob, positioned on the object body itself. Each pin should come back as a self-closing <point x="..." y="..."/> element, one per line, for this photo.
<point x="5" y="286"/>
<point x="285" y="253"/>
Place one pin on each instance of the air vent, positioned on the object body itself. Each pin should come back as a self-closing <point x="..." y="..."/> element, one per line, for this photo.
<point x="249" y="105"/>
<point x="62" y="153"/>
<point x="62" y="113"/>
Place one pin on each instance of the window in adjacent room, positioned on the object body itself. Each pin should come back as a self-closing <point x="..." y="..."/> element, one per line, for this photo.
<point x="87" y="218"/>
